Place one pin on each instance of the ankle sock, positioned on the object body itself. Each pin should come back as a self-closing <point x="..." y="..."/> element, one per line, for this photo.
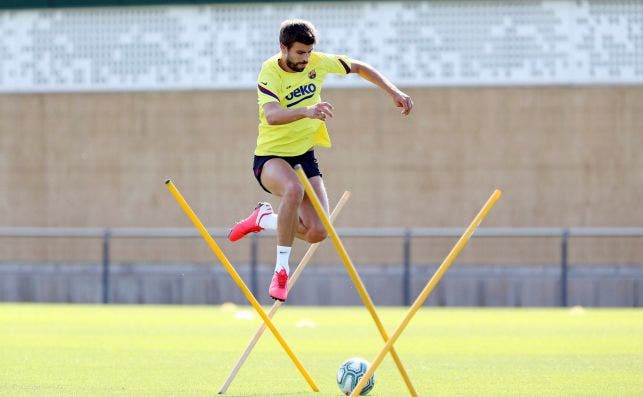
<point x="283" y="255"/>
<point x="269" y="221"/>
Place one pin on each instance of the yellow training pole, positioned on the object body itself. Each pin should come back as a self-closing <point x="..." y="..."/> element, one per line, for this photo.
<point x="293" y="279"/>
<point x="235" y="276"/>
<point x="429" y="287"/>
<point x="351" y="271"/>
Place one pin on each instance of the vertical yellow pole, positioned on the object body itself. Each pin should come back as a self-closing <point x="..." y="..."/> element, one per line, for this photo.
<point x="237" y="279"/>
<point x="429" y="287"/>
<point x="351" y="271"/>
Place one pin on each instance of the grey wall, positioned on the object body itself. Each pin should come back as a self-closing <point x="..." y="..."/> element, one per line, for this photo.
<point x="462" y="285"/>
<point x="563" y="156"/>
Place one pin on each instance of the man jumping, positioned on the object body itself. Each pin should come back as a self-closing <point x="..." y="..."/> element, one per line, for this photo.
<point x="292" y="122"/>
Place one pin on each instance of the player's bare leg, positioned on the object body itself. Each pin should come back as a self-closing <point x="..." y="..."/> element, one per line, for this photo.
<point x="280" y="179"/>
<point x="311" y="227"/>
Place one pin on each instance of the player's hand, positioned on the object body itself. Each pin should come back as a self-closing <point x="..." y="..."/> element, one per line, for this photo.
<point x="321" y="111"/>
<point x="403" y="101"/>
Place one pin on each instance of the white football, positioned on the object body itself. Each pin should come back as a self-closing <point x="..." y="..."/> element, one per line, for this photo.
<point x="351" y="372"/>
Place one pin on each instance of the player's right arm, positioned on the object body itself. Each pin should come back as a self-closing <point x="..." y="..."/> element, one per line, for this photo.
<point x="276" y="115"/>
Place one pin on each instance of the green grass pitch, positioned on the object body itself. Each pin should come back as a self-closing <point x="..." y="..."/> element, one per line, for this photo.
<point x="81" y="350"/>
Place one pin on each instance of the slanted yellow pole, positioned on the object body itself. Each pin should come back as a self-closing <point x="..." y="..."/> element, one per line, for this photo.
<point x="351" y="271"/>
<point x="237" y="279"/>
<point x="293" y="279"/>
<point x="429" y="287"/>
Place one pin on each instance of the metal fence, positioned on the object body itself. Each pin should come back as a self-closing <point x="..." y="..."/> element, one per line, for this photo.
<point x="407" y="235"/>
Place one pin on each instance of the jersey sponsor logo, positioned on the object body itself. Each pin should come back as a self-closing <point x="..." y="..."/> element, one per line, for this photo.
<point x="304" y="90"/>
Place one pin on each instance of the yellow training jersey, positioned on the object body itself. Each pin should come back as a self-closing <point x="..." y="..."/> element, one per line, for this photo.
<point x="294" y="90"/>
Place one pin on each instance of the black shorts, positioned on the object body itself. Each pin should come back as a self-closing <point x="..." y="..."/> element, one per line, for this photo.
<point x="307" y="161"/>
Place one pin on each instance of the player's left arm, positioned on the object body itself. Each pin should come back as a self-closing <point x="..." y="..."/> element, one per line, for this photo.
<point x="367" y="72"/>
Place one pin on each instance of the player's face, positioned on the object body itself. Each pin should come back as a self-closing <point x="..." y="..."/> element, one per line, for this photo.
<point x="296" y="57"/>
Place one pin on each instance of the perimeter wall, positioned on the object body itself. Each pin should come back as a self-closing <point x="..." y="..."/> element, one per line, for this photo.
<point x="564" y="156"/>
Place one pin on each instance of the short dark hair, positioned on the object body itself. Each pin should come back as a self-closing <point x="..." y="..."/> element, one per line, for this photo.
<point x="297" y="30"/>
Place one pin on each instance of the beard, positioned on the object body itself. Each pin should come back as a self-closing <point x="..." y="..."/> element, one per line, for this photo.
<point x="297" y="67"/>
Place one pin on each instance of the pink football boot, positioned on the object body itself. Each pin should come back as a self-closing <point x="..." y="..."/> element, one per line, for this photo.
<point x="279" y="286"/>
<point x="251" y="223"/>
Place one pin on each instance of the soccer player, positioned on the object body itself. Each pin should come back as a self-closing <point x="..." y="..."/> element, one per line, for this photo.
<point x="292" y="122"/>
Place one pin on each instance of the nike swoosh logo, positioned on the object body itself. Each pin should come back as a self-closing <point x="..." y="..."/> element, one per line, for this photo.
<point x="264" y="83"/>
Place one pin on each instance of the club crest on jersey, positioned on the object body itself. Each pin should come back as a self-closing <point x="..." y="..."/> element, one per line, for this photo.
<point x="312" y="74"/>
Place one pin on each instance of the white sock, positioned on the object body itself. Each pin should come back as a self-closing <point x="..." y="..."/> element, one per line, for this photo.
<point x="283" y="254"/>
<point x="269" y="221"/>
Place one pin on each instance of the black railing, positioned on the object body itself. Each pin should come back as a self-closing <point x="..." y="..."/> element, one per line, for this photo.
<point x="407" y="234"/>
